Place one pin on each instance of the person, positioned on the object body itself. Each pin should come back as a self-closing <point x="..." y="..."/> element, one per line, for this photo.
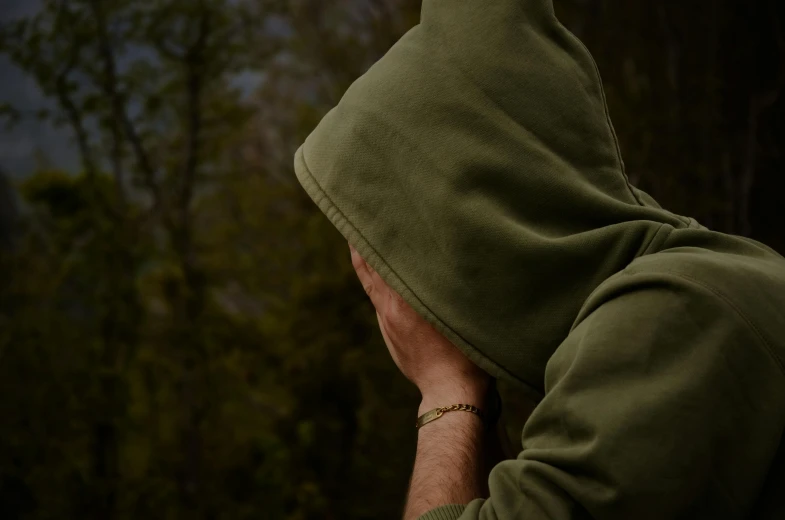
<point x="475" y="172"/>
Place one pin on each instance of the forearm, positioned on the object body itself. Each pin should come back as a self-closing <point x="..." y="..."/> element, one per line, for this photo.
<point x="455" y="453"/>
<point x="451" y="465"/>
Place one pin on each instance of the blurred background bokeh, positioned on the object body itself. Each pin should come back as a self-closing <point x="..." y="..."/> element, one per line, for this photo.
<point x="182" y="335"/>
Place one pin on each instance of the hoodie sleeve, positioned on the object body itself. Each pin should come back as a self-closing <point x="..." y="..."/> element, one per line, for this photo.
<point x="663" y="402"/>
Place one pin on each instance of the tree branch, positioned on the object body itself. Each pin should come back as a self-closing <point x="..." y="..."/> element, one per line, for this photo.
<point x="194" y="62"/>
<point x="757" y="105"/>
<point x="73" y="114"/>
<point x="109" y="86"/>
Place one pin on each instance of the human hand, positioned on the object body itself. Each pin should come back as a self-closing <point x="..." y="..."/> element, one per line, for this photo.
<point x="443" y="373"/>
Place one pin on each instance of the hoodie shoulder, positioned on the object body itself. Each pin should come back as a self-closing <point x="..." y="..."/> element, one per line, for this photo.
<point x="745" y="277"/>
<point x="660" y="403"/>
<point x="663" y="402"/>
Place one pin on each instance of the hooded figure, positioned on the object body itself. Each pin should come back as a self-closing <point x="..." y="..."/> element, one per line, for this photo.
<point x="475" y="168"/>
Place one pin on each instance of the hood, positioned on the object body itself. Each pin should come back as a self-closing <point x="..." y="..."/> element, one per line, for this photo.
<point x="475" y="168"/>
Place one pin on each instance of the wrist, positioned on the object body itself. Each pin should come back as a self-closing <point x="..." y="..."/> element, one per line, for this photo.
<point x="472" y="392"/>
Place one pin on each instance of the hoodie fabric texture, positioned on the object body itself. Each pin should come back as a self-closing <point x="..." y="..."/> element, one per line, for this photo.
<point x="475" y="168"/>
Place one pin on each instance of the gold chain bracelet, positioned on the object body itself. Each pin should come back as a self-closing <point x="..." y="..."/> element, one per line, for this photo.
<point x="438" y="412"/>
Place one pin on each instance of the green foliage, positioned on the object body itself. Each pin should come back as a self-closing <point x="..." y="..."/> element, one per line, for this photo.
<point x="182" y="334"/>
<point x="198" y="341"/>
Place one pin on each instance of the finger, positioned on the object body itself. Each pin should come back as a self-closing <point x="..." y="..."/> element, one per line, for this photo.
<point x="371" y="281"/>
<point x="379" y="285"/>
<point x="364" y="274"/>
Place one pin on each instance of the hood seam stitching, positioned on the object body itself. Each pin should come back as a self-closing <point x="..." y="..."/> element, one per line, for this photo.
<point x="609" y="123"/>
<point x="730" y="303"/>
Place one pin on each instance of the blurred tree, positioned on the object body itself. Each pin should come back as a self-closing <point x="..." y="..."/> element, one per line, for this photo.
<point x="186" y="287"/>
<point x="8" y="214"/>
<point x="156" y="122"/>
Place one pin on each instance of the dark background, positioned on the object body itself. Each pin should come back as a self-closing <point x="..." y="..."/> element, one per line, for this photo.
<point x="182" y="334"/>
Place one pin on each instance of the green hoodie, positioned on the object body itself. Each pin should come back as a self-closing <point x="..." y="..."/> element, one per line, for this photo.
<point x="476" y="169"/>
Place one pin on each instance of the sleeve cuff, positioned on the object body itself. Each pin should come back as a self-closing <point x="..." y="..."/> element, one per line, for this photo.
<point x="448" y="512"/>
